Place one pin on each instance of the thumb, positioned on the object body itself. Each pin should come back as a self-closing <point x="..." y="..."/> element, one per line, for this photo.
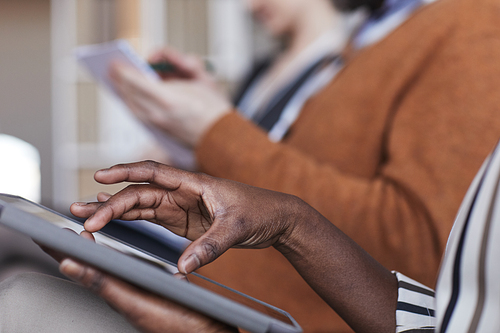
<point x="205" y="249"/>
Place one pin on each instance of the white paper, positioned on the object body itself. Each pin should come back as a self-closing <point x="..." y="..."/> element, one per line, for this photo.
<point x="97" y="60"/>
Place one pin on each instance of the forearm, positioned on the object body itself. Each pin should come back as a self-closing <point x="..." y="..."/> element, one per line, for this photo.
<point x="355" y="285"/>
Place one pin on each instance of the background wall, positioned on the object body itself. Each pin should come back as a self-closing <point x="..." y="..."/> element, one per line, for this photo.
<point x="48" y="101"/>
<point x="25" y="76"/>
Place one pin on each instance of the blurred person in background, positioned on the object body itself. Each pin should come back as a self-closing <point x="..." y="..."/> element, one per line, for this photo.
<point x="385" y="151"/>
<point x="313" y="34"/>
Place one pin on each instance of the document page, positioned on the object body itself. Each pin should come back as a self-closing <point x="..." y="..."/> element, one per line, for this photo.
<point x="97" y="59"/>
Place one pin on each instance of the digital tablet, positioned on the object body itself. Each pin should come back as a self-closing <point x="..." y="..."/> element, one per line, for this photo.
<point x="143" y="269"/>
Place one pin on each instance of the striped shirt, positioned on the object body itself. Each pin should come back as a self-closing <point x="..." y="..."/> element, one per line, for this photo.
<point x="468" y="290"/>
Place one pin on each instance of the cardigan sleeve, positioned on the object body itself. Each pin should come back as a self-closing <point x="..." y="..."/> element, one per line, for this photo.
<point x="367" y="210"/>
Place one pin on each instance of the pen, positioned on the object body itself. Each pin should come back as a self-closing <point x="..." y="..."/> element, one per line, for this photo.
<point x="165" y="67"/>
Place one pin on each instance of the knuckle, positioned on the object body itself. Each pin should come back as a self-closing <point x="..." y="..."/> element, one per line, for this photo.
<point x="211" y="250"/>
<point x="119" y="165"/>
<point x="153" y="168"/>
<point x="201" y="176"/>
<point x="150" y="164"/>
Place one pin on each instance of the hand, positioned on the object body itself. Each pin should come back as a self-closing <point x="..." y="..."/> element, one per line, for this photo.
<point x="215" y="213"/>
<point x="185" y="109"/>
<point x="144" y="310"/>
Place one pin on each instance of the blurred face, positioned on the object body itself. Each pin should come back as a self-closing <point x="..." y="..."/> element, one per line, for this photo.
<point x="279" y="16"/>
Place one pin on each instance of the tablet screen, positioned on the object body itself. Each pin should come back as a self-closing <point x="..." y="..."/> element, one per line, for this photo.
<point x="106" y="240"/>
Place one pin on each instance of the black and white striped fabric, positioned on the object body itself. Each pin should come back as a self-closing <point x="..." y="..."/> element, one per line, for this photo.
<point x="415" y="310"/>
<point x="468" y="290"/>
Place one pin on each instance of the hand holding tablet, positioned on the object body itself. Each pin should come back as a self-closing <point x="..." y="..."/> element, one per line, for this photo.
<point x="155" y="313"/>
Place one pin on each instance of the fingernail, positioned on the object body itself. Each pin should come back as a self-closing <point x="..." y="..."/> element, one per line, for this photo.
<point x="80" y="203"/>
<point x="181" y="277"/>
<point x="71" y="269"/>
<point x="191" y="264"/>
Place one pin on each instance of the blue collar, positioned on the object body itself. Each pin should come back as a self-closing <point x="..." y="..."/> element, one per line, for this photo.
<point x="391" y="7"/>
<point x="384" y="20"/>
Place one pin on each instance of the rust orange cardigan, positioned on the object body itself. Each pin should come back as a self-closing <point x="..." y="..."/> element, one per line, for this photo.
<point x="385" y="152"/>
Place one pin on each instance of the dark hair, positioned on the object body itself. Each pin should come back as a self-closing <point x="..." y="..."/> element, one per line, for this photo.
<point x="348" y="5"/>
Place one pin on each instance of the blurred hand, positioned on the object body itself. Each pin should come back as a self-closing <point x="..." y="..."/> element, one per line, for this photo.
<point x="183" y="108"/>
<point x="215" y="213"/>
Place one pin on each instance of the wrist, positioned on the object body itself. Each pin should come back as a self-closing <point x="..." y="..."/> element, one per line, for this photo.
<point x="298" y="219"/>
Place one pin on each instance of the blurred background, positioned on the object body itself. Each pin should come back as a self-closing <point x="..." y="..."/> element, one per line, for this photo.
<point x="52" y="104"/>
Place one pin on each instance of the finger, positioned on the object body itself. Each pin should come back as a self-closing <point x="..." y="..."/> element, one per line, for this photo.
<point x="136" y="106"/>
<point x="148" y="171"/>
<point x="144" y="97"/>
<point x="143" y="309"/>
<point x="84" y="209"/>
<point x="129" y="82"/>
<point x="155" y="109"/>
<point x="156" y="56"/>
<point x="194" y="64"/>
<point x="103" y="196"/>
<point x="117" y="293"/>
<point x="84" y="274"/>
<point x="206" y="249"/>
<point x="87" y="235"/>
<point x="56" y="255"/>
<point x="122" y="76"/>
<point x="181" y="277"/>
<point x="133" y="202"/>
<point x="127" y="78"/>
<point x="113" y="290"/>
<point x="119" y="70"/>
